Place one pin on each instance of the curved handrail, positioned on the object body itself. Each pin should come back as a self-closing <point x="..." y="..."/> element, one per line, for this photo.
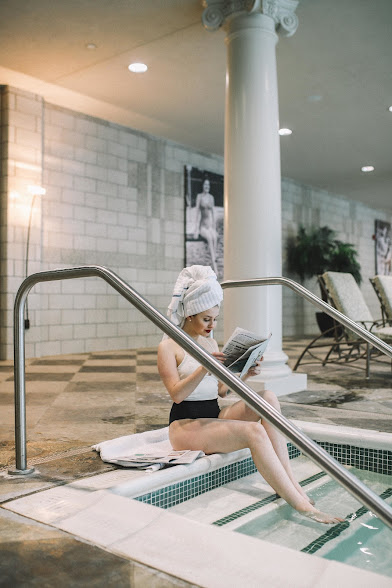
<point x="327" y="308"/>
<point x="263" y="408"/>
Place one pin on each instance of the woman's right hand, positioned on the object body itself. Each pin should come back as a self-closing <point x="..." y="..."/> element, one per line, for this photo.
<point x="219" y="356"/>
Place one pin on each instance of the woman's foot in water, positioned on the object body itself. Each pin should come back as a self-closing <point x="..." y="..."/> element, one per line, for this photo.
<point x="304" y="495"/>
<point x="321" y="517"/>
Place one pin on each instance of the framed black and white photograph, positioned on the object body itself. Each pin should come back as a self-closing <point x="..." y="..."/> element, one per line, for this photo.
<point x="203" y="191"/>
<point x="383" y="248"/>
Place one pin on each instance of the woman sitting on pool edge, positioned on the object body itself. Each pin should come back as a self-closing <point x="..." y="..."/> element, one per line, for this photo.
<point x="196" y="421"/>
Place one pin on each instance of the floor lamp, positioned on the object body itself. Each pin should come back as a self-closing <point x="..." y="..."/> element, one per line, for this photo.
<point x="36" y="191"/>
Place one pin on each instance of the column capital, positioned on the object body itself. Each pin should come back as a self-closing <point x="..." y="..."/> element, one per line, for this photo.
<point x="218" y="12"/>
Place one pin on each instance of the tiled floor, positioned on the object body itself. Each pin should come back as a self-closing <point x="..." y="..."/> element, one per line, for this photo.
<point x="75" y="401"/>
<point x="341" y="395"/>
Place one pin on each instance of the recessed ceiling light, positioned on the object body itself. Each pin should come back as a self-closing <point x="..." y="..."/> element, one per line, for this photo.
<point x="91" y="46"/>
<point x="390" y="109"/>
<point x="137" y="67"/>
<point x="367" y="168"/>
<point x="284" y="132"/>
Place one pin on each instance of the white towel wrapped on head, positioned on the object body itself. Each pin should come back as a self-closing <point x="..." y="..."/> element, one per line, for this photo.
<point x="196" y="290"/>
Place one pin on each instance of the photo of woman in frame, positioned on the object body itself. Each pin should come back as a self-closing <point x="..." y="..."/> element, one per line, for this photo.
<point x="204" y="219"/>
<point x="383" y="248"/>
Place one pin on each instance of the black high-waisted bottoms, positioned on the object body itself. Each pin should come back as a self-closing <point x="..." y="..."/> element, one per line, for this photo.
<point x="195" y="409"/>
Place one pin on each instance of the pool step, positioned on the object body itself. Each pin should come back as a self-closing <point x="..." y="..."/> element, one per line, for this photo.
<point x="251" y="492"/>
<point x="284" y="526"/>
<point x="249" y="506"/>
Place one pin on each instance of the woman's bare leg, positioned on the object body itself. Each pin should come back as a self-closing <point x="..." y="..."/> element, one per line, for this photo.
<point x="241" y="411"/>
<point x="279" y="442"/>
<point x="212" y="251"/>
<point x="208" y="236"/>
<point x="224" y="436"/>
<point x="215" y="244"/>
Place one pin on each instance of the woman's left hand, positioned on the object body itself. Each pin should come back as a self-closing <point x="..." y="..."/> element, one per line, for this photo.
<point x="254" y="370"/>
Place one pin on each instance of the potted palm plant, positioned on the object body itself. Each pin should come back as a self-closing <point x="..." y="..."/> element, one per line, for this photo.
<point x="315" y="251"/>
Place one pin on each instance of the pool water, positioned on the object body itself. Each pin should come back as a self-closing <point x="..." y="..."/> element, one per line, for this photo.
<point x="247" y="505"/>
<point x="362" y="540"/>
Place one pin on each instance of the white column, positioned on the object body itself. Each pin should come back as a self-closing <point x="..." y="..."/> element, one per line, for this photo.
<point x="252" y="227"/>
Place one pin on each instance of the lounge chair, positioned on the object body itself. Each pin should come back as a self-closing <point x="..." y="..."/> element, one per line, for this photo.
<point x="343" y="293"/>
<point x="383" y="288"/>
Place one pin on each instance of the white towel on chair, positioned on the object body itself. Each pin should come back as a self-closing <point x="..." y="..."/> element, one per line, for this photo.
<point x="116" y="450"/>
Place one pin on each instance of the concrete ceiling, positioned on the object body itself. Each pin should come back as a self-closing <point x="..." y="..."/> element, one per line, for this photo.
<point x="334" y="76"/>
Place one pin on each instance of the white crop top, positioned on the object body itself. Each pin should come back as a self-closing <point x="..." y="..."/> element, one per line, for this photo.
<point x="208" y="387"/>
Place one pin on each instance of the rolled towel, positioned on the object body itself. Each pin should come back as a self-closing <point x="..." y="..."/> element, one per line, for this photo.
<point x="116" y="450"/>
<point x="196" y="290"/>
<point x="131" y="450"/>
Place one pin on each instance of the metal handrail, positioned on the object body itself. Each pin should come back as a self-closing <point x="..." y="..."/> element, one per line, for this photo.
<point x="327" y="308"/>
<point x="263" y="408"/>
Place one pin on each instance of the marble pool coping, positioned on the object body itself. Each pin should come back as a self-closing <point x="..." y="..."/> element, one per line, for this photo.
<point x="346" y="435"/>
<point x="98" y="510"/>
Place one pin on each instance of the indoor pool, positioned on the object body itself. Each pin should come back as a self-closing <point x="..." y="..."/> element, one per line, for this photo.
<point x="219" y="510"/>
<point x="362" y="540"/>
<point x="238" y="499"/>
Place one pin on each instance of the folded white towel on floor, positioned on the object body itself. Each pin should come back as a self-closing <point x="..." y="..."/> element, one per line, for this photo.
<point x="117" y="450"/>
<point x="140" y="449"/>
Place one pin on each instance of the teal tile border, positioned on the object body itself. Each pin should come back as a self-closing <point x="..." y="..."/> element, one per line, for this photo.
<point x="375" y="460"/>
<point x="187" y="489"/>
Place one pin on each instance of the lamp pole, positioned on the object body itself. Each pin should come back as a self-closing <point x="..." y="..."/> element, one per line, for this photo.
<point x="35" y="191"/>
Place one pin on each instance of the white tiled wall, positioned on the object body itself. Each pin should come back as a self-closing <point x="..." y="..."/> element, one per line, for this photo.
<point x="21" y="165"/>
<point x="114" y="197"/>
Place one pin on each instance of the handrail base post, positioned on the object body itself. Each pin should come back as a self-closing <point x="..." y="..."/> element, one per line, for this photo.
<point x="16" y="472"/>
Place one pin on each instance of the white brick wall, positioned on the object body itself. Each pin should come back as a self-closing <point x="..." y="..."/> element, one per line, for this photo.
<point x="21" y="133"/>
<point x="115" y="198"/>
<point x="106" y="205"/>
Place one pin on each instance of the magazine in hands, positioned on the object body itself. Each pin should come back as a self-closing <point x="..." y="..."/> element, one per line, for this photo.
<point x="243" y="350"/>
